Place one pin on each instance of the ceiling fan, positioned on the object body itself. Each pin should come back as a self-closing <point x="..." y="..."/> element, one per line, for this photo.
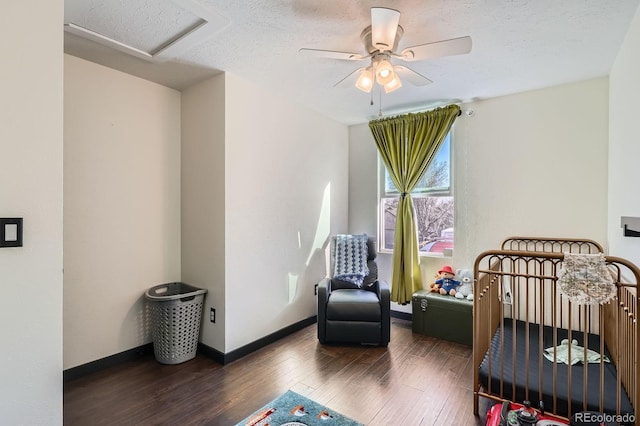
<point x="381" y="43"/>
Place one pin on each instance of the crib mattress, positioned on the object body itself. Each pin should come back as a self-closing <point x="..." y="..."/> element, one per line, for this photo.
<point x="533" y="372"/>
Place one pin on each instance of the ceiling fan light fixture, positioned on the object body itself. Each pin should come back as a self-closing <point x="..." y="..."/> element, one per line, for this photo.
<point x="365" y="80"/>
<point x="384" y="72"/>
<point x="394" y="84"/>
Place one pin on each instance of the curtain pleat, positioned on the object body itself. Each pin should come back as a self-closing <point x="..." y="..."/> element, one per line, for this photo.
<point x="407" y="144"/>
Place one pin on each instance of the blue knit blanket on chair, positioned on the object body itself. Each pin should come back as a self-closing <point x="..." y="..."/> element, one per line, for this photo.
<point x="351" y="258"/>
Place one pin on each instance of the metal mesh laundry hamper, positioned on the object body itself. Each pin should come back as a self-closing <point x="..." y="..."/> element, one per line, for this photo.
<point x="176" y="313"/>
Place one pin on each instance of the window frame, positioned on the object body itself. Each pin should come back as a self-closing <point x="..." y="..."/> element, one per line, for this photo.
<point x="437" y="192"/>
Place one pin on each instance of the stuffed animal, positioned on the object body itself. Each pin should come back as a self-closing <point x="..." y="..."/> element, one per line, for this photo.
<point x="435" y="287"/>
<point x="465" y="291"/>
<point x="447" y="283"/>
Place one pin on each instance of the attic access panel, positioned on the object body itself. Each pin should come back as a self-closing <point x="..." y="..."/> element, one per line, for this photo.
<point x="152" y="30"/>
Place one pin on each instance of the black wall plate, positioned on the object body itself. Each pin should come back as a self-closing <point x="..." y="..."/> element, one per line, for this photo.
<point x="11" y="232"/>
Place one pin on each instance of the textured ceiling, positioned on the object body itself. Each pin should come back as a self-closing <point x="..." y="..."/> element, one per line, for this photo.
<point x="518" y="45"/>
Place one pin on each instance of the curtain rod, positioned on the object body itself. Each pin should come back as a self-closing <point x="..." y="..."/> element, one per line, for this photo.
<point x="466" y="112"/>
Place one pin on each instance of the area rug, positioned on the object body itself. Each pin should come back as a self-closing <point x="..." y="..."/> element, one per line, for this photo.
<point x="292" y="409"/>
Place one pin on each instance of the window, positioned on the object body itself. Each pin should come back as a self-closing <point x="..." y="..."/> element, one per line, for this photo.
<point x="433" y="204"/>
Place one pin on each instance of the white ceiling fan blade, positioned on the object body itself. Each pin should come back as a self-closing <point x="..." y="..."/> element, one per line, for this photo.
<point x="413" y="77"/>
<point x="384" y="25"/>
<point x="332" y="54"/>
<point x="349" y="80"/>
<point x="454" y="46"/>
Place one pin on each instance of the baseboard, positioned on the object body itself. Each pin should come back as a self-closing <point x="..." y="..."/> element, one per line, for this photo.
<point x="100" y="364"/>
<point x="401" y="315"/>
<point x="225" y="358"/>
<point x="208" y="351"/>
<point x="222" y="358"/>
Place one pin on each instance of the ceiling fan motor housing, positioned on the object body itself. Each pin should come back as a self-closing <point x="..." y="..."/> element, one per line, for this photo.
<point x="365" y="36"/>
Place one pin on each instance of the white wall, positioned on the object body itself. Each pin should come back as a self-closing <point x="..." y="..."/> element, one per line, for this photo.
<point x="533" y="163"/>
<point x="286" y="193"/>
<point x="363" y="181"/>
<point x="251" y="179"/>
<point x="203" y="199"/>
<point x="264" y="184"/>
<point x="31" y="188"/>
<point x="121" y="206"/>
<point x="624" y="143"/>
<point x="241" y="181"/>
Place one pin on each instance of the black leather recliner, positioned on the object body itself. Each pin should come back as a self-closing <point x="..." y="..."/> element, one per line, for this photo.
<point x="348" y="314"/>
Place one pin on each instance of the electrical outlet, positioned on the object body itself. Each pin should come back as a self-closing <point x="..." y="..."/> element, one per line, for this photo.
<point x="212" y="315"/>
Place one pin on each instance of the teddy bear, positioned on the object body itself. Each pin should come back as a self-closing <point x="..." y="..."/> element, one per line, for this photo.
<point x="465" y="291"/>
<point x="448" y="284"/>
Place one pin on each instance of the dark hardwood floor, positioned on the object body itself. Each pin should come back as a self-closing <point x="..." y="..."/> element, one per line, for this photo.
<point x="416" y="380"/>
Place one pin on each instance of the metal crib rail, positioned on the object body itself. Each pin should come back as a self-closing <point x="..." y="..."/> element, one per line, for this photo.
<point x="527" y="281"/>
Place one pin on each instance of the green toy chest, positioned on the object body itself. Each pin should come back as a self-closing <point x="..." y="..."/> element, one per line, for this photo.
<point x="444" y="317"/>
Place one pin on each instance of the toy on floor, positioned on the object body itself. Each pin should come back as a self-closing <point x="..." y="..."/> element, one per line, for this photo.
<point x="448" y="284"/>
<point x="465" y="291"/>
<point x="510" y="414"/>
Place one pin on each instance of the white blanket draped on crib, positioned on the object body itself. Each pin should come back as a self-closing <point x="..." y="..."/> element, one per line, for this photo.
<point x="577" y="354"/>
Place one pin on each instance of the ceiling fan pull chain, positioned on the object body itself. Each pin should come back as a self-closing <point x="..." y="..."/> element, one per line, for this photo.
<point x="380" y="104"/>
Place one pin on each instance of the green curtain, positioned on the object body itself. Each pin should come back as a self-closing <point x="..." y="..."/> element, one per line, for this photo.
<point x="407" y="145"/>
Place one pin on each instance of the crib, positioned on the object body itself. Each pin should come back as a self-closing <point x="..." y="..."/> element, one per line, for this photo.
<point x="520" y="316"/>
